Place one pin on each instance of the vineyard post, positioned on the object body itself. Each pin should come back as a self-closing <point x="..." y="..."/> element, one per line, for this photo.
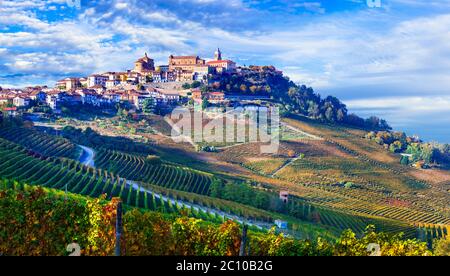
<point x="118" y="228"/>
<point x="243" y="240"/>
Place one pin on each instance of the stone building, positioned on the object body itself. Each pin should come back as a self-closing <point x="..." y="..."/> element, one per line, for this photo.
<point x="144" y="65"/>
<point x="185" y="63"/>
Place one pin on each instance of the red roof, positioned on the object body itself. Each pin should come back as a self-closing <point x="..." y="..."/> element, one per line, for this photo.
<point x="10" y="108"/>
<point x="184" y="57"/>
<point x="219" y="61"/>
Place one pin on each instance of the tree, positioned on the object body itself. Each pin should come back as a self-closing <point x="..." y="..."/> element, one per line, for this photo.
<point x="196" y="84"/>
<point x="329" y="114"/>
<point x="355" y="120"/>
<point x="404" y="160"/>
<point x="216" y="188"/>
<point x="313" y="110"/>
<point x="243" y="88"/>
<point x="396" y="147"/>
<point x="340" y="115"/>
<point x="205" y="103"/>
<point x="148" y="106"/>
<point x="186" y="86"/>
<point x="148" y="79"/>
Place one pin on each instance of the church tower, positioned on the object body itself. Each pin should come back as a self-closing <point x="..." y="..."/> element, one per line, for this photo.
<point x="144" y="65"/>
<point x="218" y="55"/>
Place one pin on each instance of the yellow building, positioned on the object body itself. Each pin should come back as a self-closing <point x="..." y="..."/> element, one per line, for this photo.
<point x="185" y="63"/>
<point x="144" y="65"/>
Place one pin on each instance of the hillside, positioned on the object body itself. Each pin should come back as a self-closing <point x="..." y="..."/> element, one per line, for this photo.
<point x="337" y="179"/>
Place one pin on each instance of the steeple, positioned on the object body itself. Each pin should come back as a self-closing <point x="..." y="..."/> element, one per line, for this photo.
<point x="218" y="55"/>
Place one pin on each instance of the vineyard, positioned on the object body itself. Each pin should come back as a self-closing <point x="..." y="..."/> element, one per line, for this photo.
<point x="333" y="186"/>
<point x="429" y="232"/>
<point x="150" y="170"/>
<point x="18" y="163"/>
<point x="342" y="221"/>
<point x="41" y="143"/>
<point x="43" y="221"/>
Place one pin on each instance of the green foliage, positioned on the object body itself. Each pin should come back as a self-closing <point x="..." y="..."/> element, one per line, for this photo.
<point x="398" y="142"/>
<point x="404" y="160"/>
<point x="90" y="138"/>
<point x="148" y="106"/>
<point x="205" y="103"/>
<point x="195" y="84"/>
<point x="240" y="192"/>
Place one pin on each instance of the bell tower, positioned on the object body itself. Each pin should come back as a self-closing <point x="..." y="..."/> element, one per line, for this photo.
<point x="218" y="55"/>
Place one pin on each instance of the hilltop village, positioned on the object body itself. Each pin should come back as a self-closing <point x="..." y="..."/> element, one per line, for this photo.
<point x="184" y="78"/>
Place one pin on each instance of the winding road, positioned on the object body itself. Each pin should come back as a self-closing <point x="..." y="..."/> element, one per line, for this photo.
<point x="87" y="159"/>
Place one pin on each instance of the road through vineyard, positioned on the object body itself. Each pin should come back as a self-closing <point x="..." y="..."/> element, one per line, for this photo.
<point x="87" y="159"/>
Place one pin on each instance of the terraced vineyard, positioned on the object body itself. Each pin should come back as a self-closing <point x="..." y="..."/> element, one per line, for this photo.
<point x="146" y="169"/>
<point x="18" y="163"/>
<point x="41" y="143"/>
<point x="343" y="221"/>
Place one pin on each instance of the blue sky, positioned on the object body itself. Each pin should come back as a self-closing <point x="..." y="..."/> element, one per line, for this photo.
<point x="391" y="60"/>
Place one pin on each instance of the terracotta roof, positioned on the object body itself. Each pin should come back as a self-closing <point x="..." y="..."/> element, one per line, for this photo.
<point x="184" y="57"/>
<point x="219" y="61"/>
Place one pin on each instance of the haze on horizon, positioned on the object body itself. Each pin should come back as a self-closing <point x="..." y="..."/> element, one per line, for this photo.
<point x="392" y="61"/>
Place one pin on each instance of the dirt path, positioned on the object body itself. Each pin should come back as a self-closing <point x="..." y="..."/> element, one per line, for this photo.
<point x="285" y="165"/>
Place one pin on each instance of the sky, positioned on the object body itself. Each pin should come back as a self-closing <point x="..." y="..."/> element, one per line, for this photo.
<point x="389" y="58"/>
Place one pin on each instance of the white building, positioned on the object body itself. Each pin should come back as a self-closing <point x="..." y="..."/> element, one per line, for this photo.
<point x="112" y="83"/>
<point x="52" y="101"/>
<point x="94" y="80"/>
<point x="21" y="101"/>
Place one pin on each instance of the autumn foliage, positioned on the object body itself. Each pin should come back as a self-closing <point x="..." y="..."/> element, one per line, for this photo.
<point x="39" y="221"/>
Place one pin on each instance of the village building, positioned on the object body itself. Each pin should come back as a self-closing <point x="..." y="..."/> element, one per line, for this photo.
<point x="4" y="100"/>
<point x="89" y="97"/>
<point x="53" y="100"/>
<point x="166" y="96"/>
<point x="112" y="97"/>
<point x="284" y="196"/>
<point x="220" y="65"/>
<point x="139" y="98"/>
<point x="185" y="63"/>
<point x="96" y="79"/>
<point x="109" y="84"/>
<point x="99" y="89"/>
<point x="38" y="96"/>
<point x="83" y="82"/>
<point x="68" y="83"/>
<point x="21" y="101"/>
<point x="215" y="97"/>
<point x="144" y="65"/>
<point x="201" y="73"/>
